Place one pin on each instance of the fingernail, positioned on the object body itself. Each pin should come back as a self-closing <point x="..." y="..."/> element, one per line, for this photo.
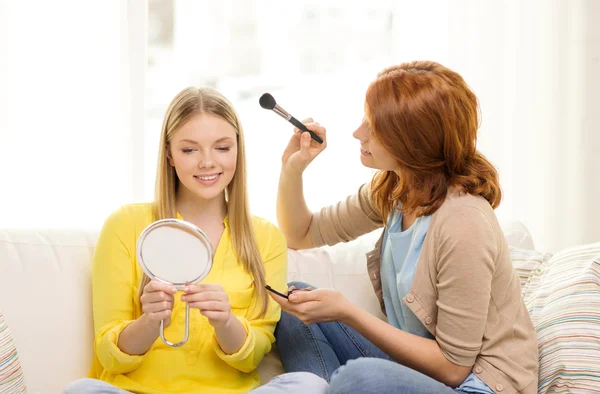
<point x="292" y="297"/>
<point x="174" y="290"/>
<point x="186" y="289"/>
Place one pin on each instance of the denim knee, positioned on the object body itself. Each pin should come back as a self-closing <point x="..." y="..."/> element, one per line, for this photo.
<point x="361" y="375"/>
<point x="299" y="285"/>
<point x="375" y="375"/>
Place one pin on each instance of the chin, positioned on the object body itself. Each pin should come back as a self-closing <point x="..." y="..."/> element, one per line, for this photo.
<point x="204" y="193"/>
<point x="368" y="162"/>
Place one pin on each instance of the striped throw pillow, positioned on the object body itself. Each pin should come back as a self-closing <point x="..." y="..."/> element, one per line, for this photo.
<point x="526" y="262"/>
<point x="563" y="299"/>
<point x="11" y="376"/>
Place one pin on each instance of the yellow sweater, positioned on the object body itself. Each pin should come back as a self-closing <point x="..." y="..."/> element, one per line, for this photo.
<point x="199" y="366"/>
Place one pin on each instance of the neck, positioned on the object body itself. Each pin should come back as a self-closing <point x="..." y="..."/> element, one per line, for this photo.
<point x="407" y="220"/>
<point x="198" y="210"/>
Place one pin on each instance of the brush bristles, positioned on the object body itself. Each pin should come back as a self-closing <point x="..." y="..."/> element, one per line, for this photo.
<point x="267" y="101"/>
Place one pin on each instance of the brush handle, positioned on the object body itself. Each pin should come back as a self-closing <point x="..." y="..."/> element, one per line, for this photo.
<point x="301" y="126"/>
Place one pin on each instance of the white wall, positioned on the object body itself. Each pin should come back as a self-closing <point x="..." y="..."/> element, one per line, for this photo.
<point x="67" y="112"/>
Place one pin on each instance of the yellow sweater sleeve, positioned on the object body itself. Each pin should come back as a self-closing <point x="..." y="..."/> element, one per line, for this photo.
<point x="260" y="330"/>
<point x="113" y="275"/>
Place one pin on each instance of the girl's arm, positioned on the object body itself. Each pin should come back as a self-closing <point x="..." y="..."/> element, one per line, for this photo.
<point x="113" y="276"/>
<point x="157" y="304"/>
<point x="341" y="222"/>
<point x="293" y="215"/>
<point x="213" y="302"/>
<point x="421" y="354"/>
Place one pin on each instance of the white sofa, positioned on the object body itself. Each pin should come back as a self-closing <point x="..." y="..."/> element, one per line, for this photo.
<point x="45" y="296"/>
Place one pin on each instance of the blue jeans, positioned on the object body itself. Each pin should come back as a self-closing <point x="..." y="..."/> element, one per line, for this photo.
<point x="352" y="364"/>
<point x="289" y="383"/>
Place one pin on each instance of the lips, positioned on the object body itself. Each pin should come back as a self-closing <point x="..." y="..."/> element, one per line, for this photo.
<point x="365" y="152"/>
<point x="210" y="177"/>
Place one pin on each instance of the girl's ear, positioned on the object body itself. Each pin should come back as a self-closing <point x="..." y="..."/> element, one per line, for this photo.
<point x="169" y="156"/>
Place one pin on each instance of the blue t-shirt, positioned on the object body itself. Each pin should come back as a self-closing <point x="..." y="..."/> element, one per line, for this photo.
<point x="401" y="250"/>
<point x="400" y="257"/>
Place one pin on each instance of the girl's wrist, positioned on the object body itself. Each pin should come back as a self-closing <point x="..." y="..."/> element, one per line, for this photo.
<point x="148" y="325"/>
<point x="348" y="313"/>
<point x="291" y="173"/>
<point x="228" y="323"/>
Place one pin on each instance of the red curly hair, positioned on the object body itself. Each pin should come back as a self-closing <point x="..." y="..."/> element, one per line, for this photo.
<point x="426" y="116"/>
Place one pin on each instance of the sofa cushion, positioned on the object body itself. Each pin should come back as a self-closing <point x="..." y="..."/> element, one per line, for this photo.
<point x="526" y="262"/>
<point x="342" y="267"/>
<point x="45" y="295"/>
<point x="563" y="299"/>
<point x="11" y="375"/>
<point x="517" y="235"/>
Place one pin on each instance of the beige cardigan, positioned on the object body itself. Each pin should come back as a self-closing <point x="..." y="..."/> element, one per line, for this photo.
<point x="465" y="291"/>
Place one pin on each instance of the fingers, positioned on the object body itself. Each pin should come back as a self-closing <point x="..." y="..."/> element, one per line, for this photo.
<point x="298" y="296"/>
<point x="305" y="145"/>
<point x="303" y="311"/>
<point x="157" y="300"/>
<point x="200" y="287"/>
<point x="156" y="297"/>
<point x="305" y="122"/>
<point x="306" y="141"/>
<point x="203" y="296"/>
<point x="155" y="285"/>
<point x="317" y="129"/>
<point x="206" y="297"/>
<point x="157" y="311"/>
<point x="158" y="307"/>
<point x="217" y="306"/>
<point x="314" y="127"/>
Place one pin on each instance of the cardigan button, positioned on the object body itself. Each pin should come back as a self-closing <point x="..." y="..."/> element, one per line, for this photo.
<point x="499" y="387"/>
<point x="428" y="320"/>
<point x="410" y="298"/>
<point x="478" y="369"/>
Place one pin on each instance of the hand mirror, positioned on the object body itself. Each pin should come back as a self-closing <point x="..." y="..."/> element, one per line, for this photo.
<point x="177" y="253"/>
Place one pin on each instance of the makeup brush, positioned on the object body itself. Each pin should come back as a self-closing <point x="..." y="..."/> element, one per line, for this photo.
<point x="268" y="102"/>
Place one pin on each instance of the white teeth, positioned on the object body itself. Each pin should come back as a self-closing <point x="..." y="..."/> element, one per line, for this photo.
<point x="208" y="178"/>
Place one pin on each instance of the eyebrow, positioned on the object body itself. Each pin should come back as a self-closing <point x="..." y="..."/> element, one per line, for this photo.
<point x="216" y="142"/>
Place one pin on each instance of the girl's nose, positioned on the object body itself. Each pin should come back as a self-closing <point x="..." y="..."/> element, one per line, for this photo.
<point x="206" y="161"/>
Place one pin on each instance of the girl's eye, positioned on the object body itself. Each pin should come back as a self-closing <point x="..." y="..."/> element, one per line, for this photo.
<point x="187" y="150"/>
<point x="224" y="149"/>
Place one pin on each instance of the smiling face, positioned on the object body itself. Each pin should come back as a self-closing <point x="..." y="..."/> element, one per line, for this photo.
<point x="372" y="153"/>
<point x="204" y="154"/>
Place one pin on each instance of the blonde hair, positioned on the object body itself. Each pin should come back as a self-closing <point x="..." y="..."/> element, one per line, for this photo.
<point x="190" y="102"/>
